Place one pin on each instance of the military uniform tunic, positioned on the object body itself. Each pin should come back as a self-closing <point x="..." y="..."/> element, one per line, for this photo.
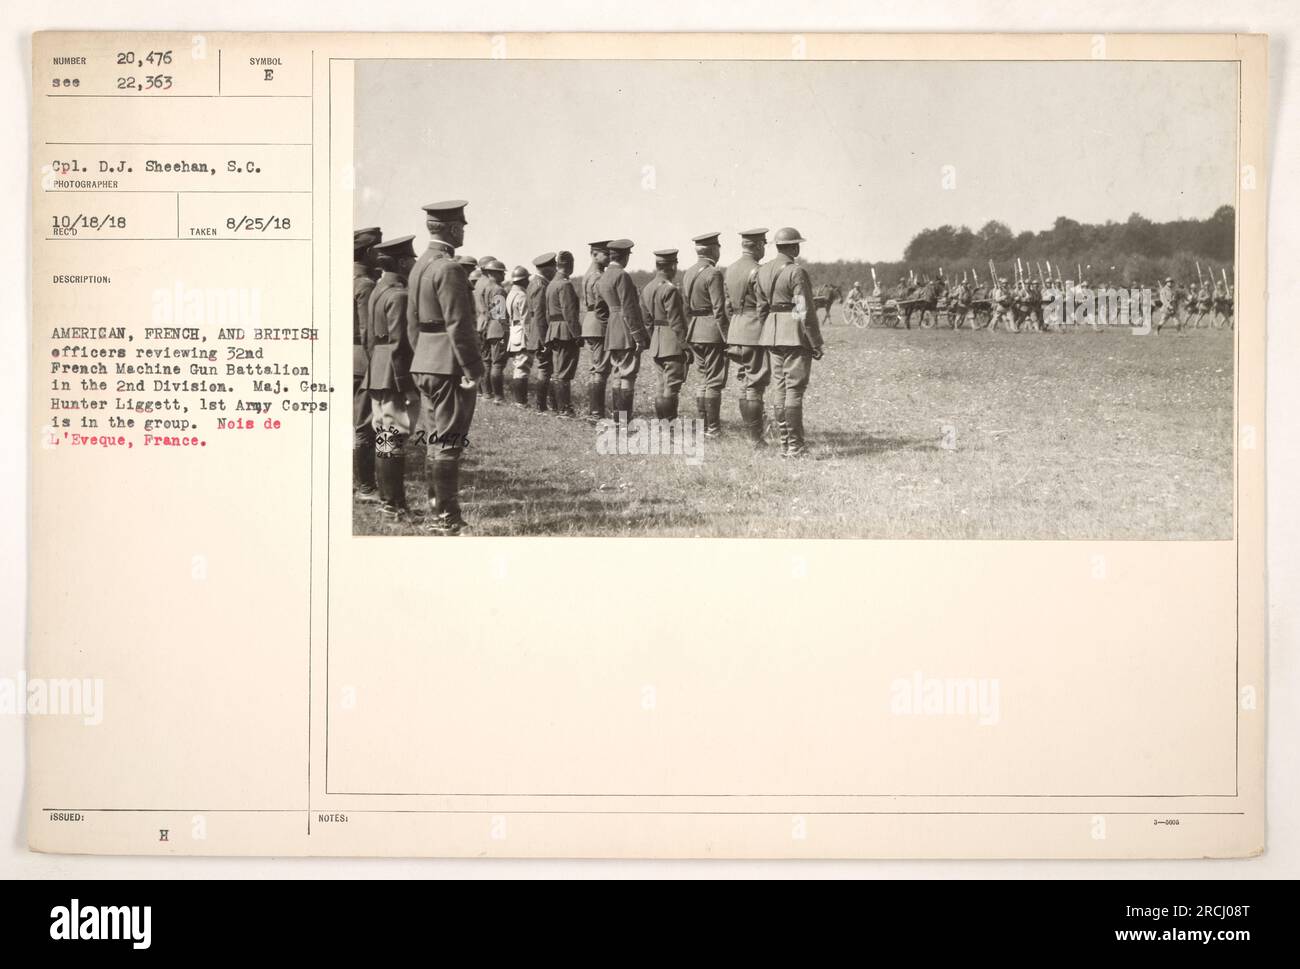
<point x="564" y="329"/>
<point x="362" y="285"/>
<point x="662" y="308"/>
<point x="496" y="332"/>
<point x="595" y="319"/>
<point x="625" y="335"/>
<point x="441" y="328"/>
<point x="790" y="331"/>
<point x="706" y="324"/>
<point x="535" y="329"/>
<point x="388" y="379"/>
<point x="745" y="327"/>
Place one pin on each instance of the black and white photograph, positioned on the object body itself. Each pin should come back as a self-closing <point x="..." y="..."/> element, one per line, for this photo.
<point x="814" y="299"/>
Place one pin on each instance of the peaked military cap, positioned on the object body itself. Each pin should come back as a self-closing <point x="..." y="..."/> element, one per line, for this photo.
<point x="708" y="239"/>
<point x="399" y="248"/>
<point x="365" y="238"/>
<point x="545" y="259"/>
<point x="598" y="244"/>
<point x="452" y="210"/>
<point x="621" y="245"/>
<point x="760" y="234"/>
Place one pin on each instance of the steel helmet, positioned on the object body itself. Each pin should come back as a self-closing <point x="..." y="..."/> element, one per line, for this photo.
<point x="519" y="273"/>
<point x="787" y="236"/>
<point x="495" y="266"/>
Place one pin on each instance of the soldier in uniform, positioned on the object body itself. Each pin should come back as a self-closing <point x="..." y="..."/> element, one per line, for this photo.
<point x="394" y="405"/>
<point x="595" y="318"/>
<point x="446" y="365"/>
<point x="363" y="440"/>
<point x="496" y="332"/>
<point x="517" y="316"/>
<point x="477" y="280"/>
<point x="535" y="334"/>
<point x="625" y="335"/>
<point x="705" y="297"/>
<point x="790" y="333"/>
<point x="745" y="332"/>
<point x="1168" y="307"/>
<point x="663" y="311"/>
<point x="564" y="331"/>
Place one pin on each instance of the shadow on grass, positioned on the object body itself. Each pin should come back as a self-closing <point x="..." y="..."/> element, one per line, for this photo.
<point x="852" y="444"/>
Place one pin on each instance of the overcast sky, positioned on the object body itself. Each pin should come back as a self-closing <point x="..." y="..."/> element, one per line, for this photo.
<point x="554" y="154"/>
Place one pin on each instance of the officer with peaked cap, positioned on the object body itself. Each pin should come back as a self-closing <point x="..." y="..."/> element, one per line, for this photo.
<point x="705" y="298"/>
<point x="625" y="334"/>
<point x="496" y="331"/>
<point x="363" y="441"/>
<point x="394" y="403"/>
<point x="664" y="313"/>
<point x="790" y="333"/>
<point x="745" y="331"/>
<point x="535" y="334"/>
<point x="440" y="325"/>
<point x="517" y="317"/>
<point x="564" y="331"/>
<point x="595" y="319"/>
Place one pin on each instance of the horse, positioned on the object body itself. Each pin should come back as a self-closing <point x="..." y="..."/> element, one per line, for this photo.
<point x="824" y="297"/>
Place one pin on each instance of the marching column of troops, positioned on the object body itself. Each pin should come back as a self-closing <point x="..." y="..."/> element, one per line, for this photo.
<point x="432" y="334"/>
<point x="1036" y="305"/>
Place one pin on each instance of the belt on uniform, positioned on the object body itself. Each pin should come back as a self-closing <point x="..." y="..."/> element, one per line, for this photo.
<point x="701" y="312"/>
<point x="433" y="327"/>
<point x="781" y="307"/>
<point x="555" y="319"/>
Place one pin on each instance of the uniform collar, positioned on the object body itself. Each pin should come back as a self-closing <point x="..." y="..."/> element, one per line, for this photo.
<point x="392" y="278"/>
<point x="437" y="246"/>
<point x="706" y="261"/>
<point x="782" y="258"/>
<point x="360" y="269"/>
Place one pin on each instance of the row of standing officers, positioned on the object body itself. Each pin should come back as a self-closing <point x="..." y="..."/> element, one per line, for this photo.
<point x="451" y="328"/>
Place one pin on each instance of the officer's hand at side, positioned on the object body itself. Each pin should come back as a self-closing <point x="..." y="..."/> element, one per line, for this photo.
<point x="818" y="353"/>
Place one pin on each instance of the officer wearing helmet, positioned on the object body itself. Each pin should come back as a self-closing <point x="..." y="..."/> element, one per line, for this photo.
<point x="790" y="333"/>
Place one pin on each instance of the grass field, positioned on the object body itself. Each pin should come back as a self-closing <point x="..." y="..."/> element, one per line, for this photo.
<point x="912" y="433"/>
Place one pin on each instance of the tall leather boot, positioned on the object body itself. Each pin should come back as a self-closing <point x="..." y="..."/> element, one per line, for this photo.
<point x="795" y="448"/>
<point x="553" y="396"/>
<point x="390" y="473"/>
<point x="596" y="401"/>
<point x="712" y="416"/>
<point x="628" y="395"/>
<point x="445" y="481"/>
<point x="521" y="391"/>
<point x="670" y="407"/>
<point x="495" y="378"/>
<point x="782" y="429"/>
<point x="702" y="407"/>
<point x="363" y="471"/>
<point x="752" y="413"/>
<point x="564" y="398"/>
<point x="661" y="407"/>
<point x="543" y="394"/>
